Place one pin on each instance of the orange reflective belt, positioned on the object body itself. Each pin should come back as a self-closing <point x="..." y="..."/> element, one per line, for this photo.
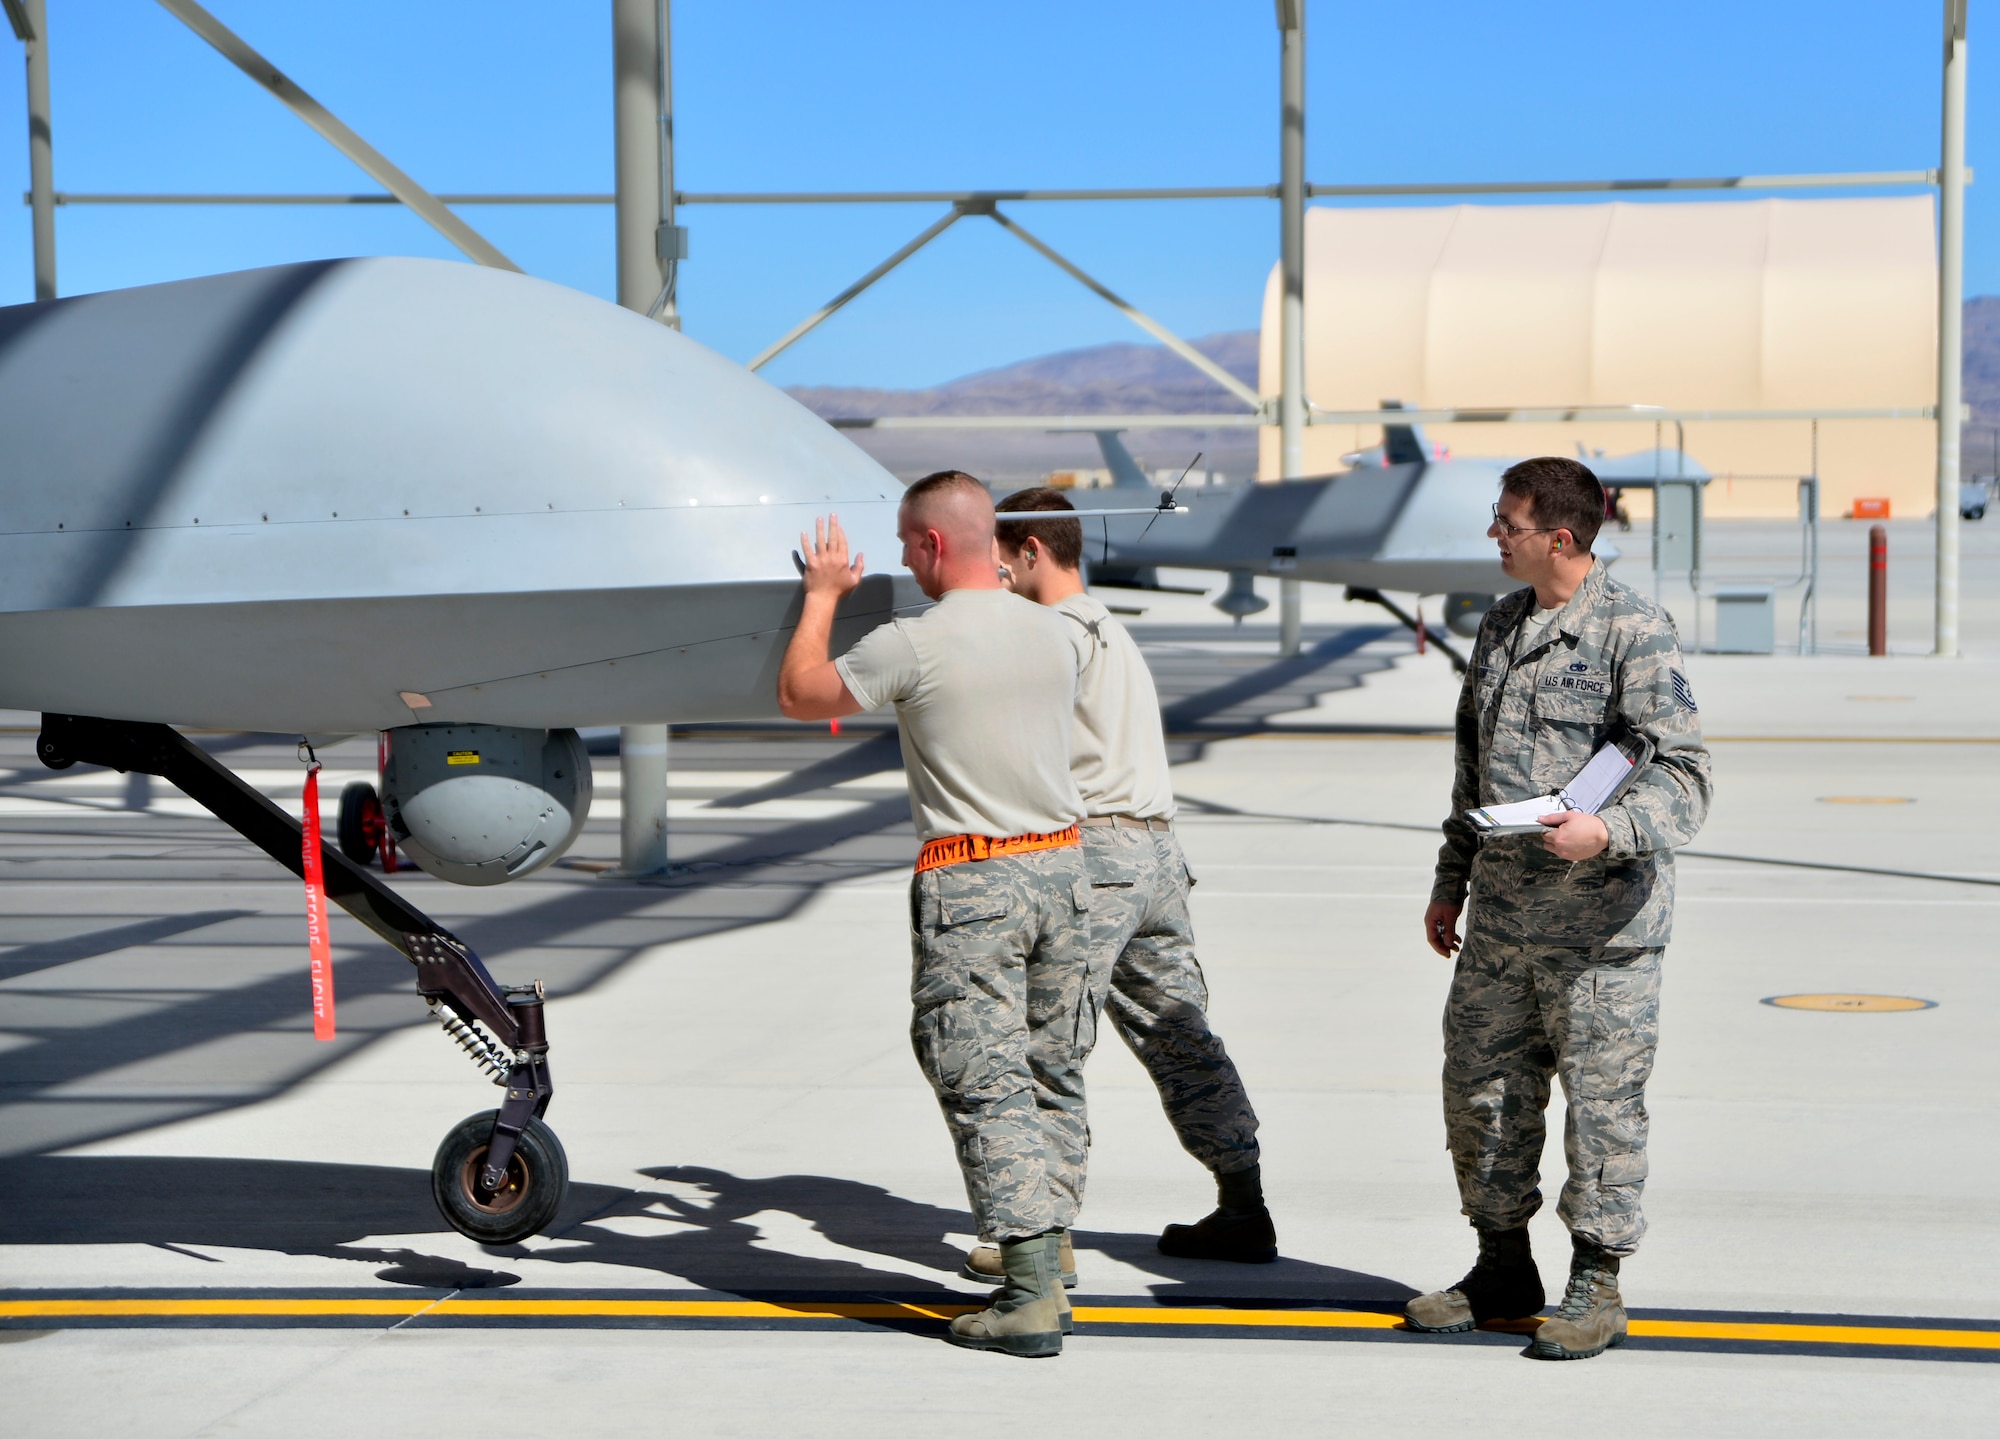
<point x="958" y="848"/>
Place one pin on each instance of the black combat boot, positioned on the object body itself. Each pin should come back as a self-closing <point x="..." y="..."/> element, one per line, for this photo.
<point x="1504" y="1284"/>
<point x="1240" y="1229"/>
<point x="1591" y="1317"/>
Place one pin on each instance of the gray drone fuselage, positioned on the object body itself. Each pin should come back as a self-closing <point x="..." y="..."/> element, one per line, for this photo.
<point x="362" y="494"/>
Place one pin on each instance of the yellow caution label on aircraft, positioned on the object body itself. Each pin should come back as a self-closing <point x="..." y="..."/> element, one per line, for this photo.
<point x="462" y="756"/>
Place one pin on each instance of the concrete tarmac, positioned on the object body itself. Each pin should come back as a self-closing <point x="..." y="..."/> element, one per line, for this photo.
<point x="211" y="1225"/>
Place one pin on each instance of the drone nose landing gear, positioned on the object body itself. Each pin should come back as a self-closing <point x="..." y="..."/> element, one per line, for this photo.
<point x="500" y="1175"/>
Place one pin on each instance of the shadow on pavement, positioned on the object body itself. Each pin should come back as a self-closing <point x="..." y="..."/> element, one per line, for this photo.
<point x="717" y="1231"/>
<point x="191" y="995"/>
<point x="278" y="1206"/>
<point x="871" y="1221"/>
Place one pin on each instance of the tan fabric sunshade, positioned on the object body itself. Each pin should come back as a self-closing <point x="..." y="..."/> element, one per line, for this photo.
<point x="1738" y="305"/>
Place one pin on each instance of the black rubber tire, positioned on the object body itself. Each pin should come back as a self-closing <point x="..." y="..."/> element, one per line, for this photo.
<point x="355" y="802"/>
<point x="538" y="1177"/>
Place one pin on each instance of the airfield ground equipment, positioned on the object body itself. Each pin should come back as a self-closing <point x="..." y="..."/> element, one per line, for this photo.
<point x="500" y="1175"/>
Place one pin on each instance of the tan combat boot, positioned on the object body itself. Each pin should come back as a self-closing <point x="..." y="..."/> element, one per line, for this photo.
<point x="1591" y="1317"/>
<point x="1504" y="1284"/>
<point x="982" y="1266"/>
<point x="1025" y="1316"/>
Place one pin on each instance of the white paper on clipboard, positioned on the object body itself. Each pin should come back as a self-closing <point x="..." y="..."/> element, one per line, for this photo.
<point x="1588" y="792"/>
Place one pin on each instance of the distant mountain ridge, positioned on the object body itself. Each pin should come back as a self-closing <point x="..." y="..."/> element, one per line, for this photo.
<point x="1982" y="361"/>
<point x="1150" y="379"/>
<point x="1102" y="379"/>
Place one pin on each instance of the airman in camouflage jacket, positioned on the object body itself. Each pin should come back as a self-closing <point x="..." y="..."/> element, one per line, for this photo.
<point x="1606" y="668"/>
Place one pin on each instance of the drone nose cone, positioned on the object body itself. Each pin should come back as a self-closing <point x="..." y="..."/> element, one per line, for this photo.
<point x="479" y="422"/>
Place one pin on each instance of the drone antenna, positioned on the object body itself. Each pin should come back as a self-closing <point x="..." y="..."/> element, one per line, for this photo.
<point x="1167" y="496"/>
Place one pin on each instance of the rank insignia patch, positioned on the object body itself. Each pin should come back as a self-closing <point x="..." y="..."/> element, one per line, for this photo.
<point x="1683" y="694"/>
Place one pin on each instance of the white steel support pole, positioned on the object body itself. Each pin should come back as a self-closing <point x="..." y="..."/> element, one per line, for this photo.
<point x="41" y="157"/>
<point x="640" y="155"/>
<point x="642" y="796"/>
<point x="1292" y="265"/>
<point x="1951" y="301"/>
<point x="670" y="240"/>
<point x="638" y="105"/>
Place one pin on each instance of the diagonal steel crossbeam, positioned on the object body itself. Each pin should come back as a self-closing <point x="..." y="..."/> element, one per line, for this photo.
<point x="433" y="211"/>
<point x="824" y="312"/>
<point x="980" y="205"/>
<point x="1133" y="313"/>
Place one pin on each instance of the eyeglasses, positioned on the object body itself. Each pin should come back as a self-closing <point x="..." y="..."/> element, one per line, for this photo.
<point x="1512" y="530"/>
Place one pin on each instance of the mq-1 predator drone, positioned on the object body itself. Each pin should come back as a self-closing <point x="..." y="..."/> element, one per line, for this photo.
<point x="467" y="509"/>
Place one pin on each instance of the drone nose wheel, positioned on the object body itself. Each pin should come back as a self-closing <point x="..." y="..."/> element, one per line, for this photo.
<point x="529" y="1194"/>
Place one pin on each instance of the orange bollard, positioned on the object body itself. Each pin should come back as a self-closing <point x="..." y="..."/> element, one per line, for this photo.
<point x="1878" y="590"/>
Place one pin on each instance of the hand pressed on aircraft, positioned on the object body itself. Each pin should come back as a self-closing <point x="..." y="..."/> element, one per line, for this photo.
<point x="827" y="569"/>
<point x="809" y="684"/>
<point x="1574" y="835"/>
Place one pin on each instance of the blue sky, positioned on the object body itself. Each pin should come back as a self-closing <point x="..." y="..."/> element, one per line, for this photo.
<point x="894" y="94"/>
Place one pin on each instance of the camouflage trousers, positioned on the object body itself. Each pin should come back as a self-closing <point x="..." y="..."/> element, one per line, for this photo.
<point x="1001" y="958"/>
<point x="1518" y="1015"/>
<point x="1144" y="976"/>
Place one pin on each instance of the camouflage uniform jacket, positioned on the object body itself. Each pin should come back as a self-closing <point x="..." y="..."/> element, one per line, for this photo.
<point x="1607" y="667"/>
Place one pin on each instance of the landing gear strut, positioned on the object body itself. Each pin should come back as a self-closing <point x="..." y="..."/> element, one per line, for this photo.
<point x="499" y="1176"/>
<point x="1376" y="597"/>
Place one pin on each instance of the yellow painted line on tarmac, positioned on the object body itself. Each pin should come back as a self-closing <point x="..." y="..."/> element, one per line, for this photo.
<point x="1240" y="1318"/>
<point x="205" y="1308"/>
<point x="695" y="1309"/>
<point x="1817" y="1334"/>
<point x="1858" y="1335"/>
<point x="509" y="1308"/>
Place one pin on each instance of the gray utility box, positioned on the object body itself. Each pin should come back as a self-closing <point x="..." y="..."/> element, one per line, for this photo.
<point x="1745" y="620"/>
<point x="1676" y="528"/>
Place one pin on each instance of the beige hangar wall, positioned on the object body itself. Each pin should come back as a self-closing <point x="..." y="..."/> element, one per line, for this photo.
<point x="1739" y="305"/>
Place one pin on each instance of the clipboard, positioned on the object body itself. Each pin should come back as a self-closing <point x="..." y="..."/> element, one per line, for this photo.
<point x="1596" y="785"/>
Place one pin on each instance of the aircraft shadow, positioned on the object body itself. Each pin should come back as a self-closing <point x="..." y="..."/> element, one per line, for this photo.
<point x="714" y="1231"/>
<point x="575" y="935"/>
<point x="770" y="875"/>
<point x="878" y="753"/>
<point x="1256" y="686"/>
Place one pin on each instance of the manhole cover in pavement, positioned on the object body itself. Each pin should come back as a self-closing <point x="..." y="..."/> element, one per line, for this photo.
<point x="1851" y="1003"/>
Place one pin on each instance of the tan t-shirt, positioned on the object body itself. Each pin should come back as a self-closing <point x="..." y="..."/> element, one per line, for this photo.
<point x="1118" y="752"/>
<point x="984" y="685"/>
<point x="1533" y="626"/>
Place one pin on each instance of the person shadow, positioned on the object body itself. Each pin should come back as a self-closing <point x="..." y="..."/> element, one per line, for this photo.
<point x="804" y="1239"/>
<point x="793" y="1235"/>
